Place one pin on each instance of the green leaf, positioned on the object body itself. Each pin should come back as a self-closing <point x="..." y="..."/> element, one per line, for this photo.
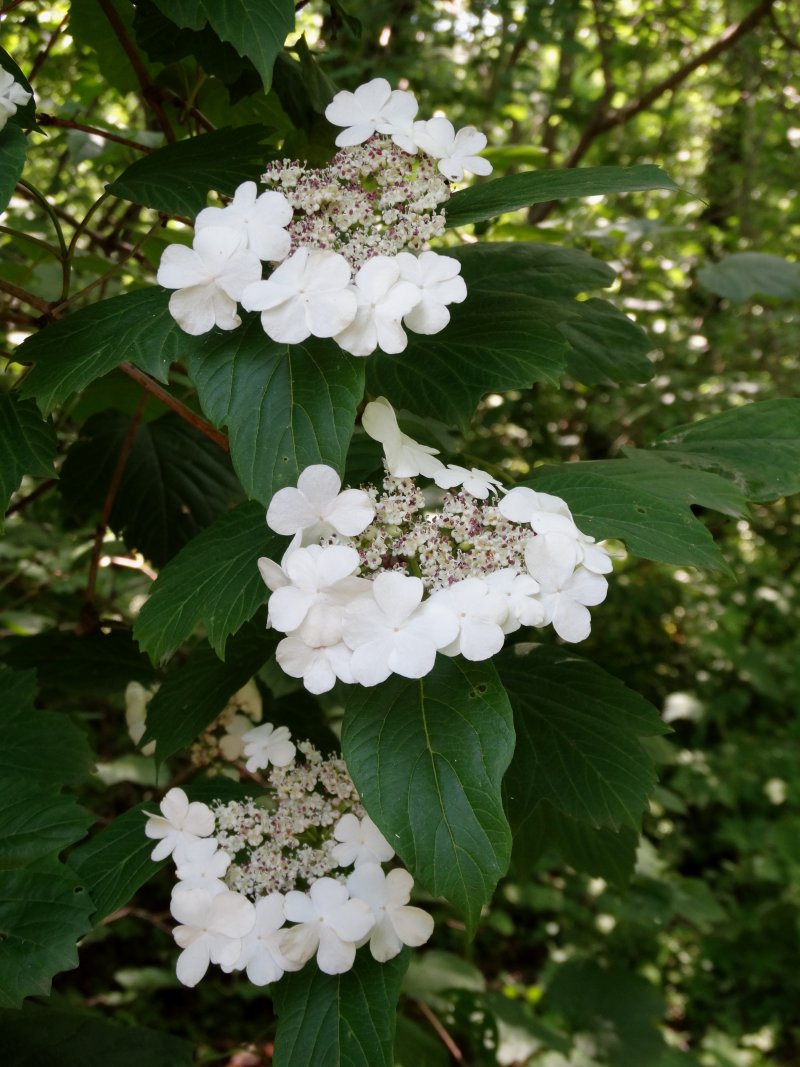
<point x="37" y="821"/>
<point x="745" y="274"/>
<point x="92" y="663"/>
<point x="115" y="862"/>
<point x="488" y="199"/>
<point x="428" y="757"/>
<point x="345" y="1020"/>
<point x="257" y="29"/>
<point x="756" y="446"/>
<point x="24" y="116"/>
<point x="177" y="178"/>
<point x="93" y="341"/>
<point x="43" y="913"/>
<point x="488" y="346"/>
<point x="194" y="694"/>
<point x="605" y="345"/>
<point x="548" y="834"/>
<point x="578" y="746"/>
<point x="188" y="14"/>
<point x="650" y="526"/>
<point x="89" y="27"/>
<point x="41" y="747"/>
<point x="40" y="1035"/>
<point x="285" y="407"/>
<point x="175" y="481"/>
<point x="13" y="146"/>
<point x="531" y="269"/>
<point x="214" y="580"/>
<point x="27" y="444"/>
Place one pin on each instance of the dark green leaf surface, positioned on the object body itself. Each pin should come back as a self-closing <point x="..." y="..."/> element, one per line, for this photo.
<point x="428" y="757"/>
<point x="605" y="346"/>
<point x="27" y="444"/>
<point x="25" y="116"/>
<point x="746" y="274"/>
<point x="177" y="178"/>
<point x="756" y="446"/>
<point x="38" y="1036"/>
<point x="213" y="581"/>
<point x="90" y="27"/>
<point x="345" y="1020"/>
<point x="93" y="341"/>
<point x="578" y="747"/>
<point x="650" y="526"/>
<point x="496" y="197"/>
<point x="531" y="269"/>
<point x="115" y="862"/>
<point x="195" y="693"/>
<point x="92" y="663"/>
<point x="255" y="28"/>
<point x="285" y="407"/>
<point x="175" y="482"/>
<point x="488" y="346"/>
<point x="44" y="910"/>
<point x="13" y="146"/>
<point x="37" y="821"/>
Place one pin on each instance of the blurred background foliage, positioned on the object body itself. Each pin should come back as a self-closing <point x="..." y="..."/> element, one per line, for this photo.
<point x="693" y="957"/>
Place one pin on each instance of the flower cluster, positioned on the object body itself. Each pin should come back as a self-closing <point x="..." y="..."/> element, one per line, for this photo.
<point x="345" y="244"/>
<point x="246" y="868"/>
<point x="12" y="96"/>
<point x="377" y="583"/>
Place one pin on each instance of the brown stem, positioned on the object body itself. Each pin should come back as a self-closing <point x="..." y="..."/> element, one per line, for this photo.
<point x="190" y="109"/>
<point x="38" y="62"/>
<point x="442" y="1034"/>
<point x="150" y="91"/>
<point x="27" y="298"/>
<point x="7" y="8"/>
<point x="23" y="501"/>
<point x="89" y="617"/>
<point x="68" y="124"/>
<point x="161" y="394"/>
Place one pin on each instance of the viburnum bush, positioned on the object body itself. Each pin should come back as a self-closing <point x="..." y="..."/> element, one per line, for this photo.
<point x="350" y="661"/>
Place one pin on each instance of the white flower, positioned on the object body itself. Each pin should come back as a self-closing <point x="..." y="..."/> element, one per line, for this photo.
<point x="231" y="744"/>
<point x="317" y="506"/>
<point x="480" y="614"/>
<point x="320" y="578"/>
<point x="209" y="278"/>
<point x="475" y="482"/>
<point x="308" y="294"/>
<point x="260" y="951"/>
<point x="330" y="924"/>
<point x="260" y="219"/>
<point x="382" y="301"/>
<point x="319" y="667"/>
<point x="374" y="107"/>
<point x="179" y="825"/>
<point x="456" y="152"/>
<point x="546" y="513"/>
<point x="360" y="841"/>
<point x="268" y="744"/>
<point x="405" y="457"/>
<point x="520" y="591"/>
<point x="274" y="574"/>
<point x="136" y="701"/>
<point x="394" y="632"/>
<point x="203" y="866"/>
<point x="211" y="930"/>
<point x="396" y="923"/>
<point x="567" y="589"/>
<point x="12" y="96"/>
<point x="439" y="282"/>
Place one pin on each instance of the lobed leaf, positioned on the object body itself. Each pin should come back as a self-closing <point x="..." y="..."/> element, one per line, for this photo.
<point x="27" y="444"/>
<point x="257" y="29"/>
<point x="37" y="821"/>
<point x="427" y="757"/>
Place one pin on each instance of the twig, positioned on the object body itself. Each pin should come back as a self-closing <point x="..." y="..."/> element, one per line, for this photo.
<point x="26" y="297"/>
<point x="149" y="90"/>
<point x="69" y="124"/>
<point x="443" y="1035"/>
<point x="23" y="501"/>
<point x="34" y="240"/>
<point x="38" y="62"/>
<point x="89" y="616"/>
<point x="8" y="8"/>
<point x="103" y="278"/>
<point x="185" y="413"/>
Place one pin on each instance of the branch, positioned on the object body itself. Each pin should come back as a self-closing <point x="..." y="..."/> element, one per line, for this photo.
<point x="150" y="91"/>
<point x="38" y="62"/>
<point x="26" y="297"/>
<point x="441" y="1032"/>
<point x="161" y="394"/>
<point x="40" y="490"/>
<point x="68" y="124"/>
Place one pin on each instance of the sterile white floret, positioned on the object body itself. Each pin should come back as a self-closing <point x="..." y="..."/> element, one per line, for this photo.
<point x="329" y="925"/>
<point x="179" y="825"/>
<point x="374" y="108"/>
<point x="396" y="923"/>
<point x="262" y="220"/>
<point x="456" y="152"/>
<point x="317" y="506"/>
<point x="383" y="298"/>
<point x="268" y="745"/>
<point x="439" y="283"/>
<point x="359" y="841"/>
<point x="405" y="457"/>
<point x="212" y="926"/>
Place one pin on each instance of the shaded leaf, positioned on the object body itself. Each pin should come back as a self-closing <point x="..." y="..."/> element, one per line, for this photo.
<point x="605" y="346"/>
<point x="37" y="821"/>
<point x="345" y="1020"/>
<point x="90" y="27"/>
<point x="27" y="444"/>
<point x="177" y="178"/>
<point x="578" y="746"/>
<point x="13" y="147"/>
<point x="285" y="407"/>
<point x="496" y="197"/>
<point x="256" y="28"/>
<point x="213" y="581"/>
<point x="93" y="662"/>
<point x="91" y="342"/>
<point x="746" y="274"/>
<point x="427" y="757"/>
<point x="175" y="481"/>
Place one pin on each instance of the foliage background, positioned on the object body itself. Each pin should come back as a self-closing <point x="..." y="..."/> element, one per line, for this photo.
<point x="693" y="958"/>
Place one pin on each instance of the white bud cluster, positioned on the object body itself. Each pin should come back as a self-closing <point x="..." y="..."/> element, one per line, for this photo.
<point x="245" y="868"/>
<point x="346" y="245"/>
<point x="375" y="584"/>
